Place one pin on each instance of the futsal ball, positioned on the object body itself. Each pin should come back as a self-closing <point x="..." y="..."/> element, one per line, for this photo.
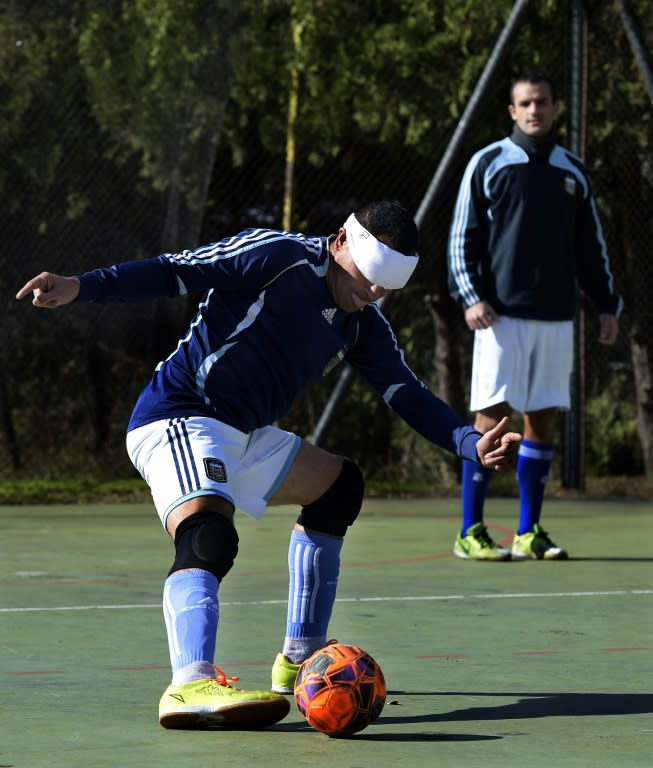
<point x="340" y="690"/>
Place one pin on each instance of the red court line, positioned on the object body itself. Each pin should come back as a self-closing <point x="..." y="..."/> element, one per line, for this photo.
<point x="39" y="582"/>
<point x="266" y="662"/>
<point x="36" y="672"/>
<point x="507" y="532"/>
<point x="626" y="650"/>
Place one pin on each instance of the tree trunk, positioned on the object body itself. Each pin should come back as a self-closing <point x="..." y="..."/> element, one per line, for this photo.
<point x="641" y="346"/>
<point x="635" y="199"/>
<point x="448" y="357"/>
<point x="7" y="421"/>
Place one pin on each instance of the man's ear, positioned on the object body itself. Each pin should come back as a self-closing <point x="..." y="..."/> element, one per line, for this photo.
<point x="341" y="238"/>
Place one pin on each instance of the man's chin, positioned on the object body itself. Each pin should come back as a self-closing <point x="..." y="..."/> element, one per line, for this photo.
<point x="536" y="131"/>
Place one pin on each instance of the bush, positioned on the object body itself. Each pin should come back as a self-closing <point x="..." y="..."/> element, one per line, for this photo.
<point x="613" y="446"/>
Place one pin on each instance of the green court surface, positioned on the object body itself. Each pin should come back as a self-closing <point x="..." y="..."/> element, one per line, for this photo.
<point x="487" y="664"/>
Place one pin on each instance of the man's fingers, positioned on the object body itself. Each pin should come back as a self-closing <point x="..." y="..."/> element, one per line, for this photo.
<point x="42" y="283"/>
<point x="28" y="288"/>
<point x="495" y="432"/>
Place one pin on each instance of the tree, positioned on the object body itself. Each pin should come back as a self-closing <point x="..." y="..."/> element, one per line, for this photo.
<point x="622" y="160"/>
<point x="138" y="126"/>
<point x="173" y="66"/>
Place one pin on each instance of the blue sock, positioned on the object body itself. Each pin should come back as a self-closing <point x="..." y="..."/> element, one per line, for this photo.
<point x="190" y="609"/>
<point x="533" y="465"/>
<point x="313" y="565"/>
<point x="475" y="480"/>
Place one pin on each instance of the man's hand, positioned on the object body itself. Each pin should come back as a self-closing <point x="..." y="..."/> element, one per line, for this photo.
<point x="50" y="291"/>
<point x="608" y="329"/>
<point x="480" y="315"/>
<point x="497" y="449"/>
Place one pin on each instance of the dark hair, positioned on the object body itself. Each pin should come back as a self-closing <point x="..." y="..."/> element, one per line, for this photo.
<point x="390" y="218"/>
<point x="534" y="78"/>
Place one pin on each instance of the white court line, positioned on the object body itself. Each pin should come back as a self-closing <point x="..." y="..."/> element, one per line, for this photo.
<point x="387" y="598"/>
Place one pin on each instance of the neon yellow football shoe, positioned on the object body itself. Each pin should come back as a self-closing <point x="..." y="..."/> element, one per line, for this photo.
<point x="284" y="674"/>
<point x="208" y="702"/>
<point x="536" y="545"/>
<point x="477" y="544"/>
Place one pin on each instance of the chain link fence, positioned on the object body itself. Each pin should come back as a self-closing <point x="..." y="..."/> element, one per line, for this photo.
<point x="69" y="378"/>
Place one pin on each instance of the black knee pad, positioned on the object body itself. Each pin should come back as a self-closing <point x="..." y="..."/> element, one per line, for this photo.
<point x="339" y="506"/>
<point x="206" y="540"/>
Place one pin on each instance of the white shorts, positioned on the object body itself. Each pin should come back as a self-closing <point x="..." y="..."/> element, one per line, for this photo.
<point x="526" y="363"/>
<point x="195" y="456"/>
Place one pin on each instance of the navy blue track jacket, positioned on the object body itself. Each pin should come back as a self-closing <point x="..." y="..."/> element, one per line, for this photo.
<point x="266" y="326"/>
<point x="525" y="233"/>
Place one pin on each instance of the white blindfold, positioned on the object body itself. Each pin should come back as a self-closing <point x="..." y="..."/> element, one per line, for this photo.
<point x="377" y="262"/>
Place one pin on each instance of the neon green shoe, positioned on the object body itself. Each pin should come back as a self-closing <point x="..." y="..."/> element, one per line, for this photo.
<point x="536" y="545"/>
<point x="284" y="673"/>
<point x="477" y="544"/>
<point x="207" y="702"/>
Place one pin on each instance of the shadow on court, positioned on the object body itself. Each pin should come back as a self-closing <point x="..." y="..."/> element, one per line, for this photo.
<point x="611" y="559"/>
<point x="535" y="705"/>
<point x="530" y="705"/>
<point x="424" y="736"/>
<point x="371" y="734"/>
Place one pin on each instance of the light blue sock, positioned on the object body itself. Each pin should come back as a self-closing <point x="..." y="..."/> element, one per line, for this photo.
<point x="313" y="565"/>
<point x="474" y="484"/>
<point x="190" y="609"/>
<point x="533" y="466"/>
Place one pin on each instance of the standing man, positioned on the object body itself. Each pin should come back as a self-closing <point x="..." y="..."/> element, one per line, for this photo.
<point x="525" y="235"/>
<point x="279" y="310"/>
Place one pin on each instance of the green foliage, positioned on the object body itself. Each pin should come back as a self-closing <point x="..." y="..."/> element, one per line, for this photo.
<point x="613" y="447"/>
<point x="36" y="79"/>
<point x="106" y="105"/>
<point x="377" y="70"/>
<point x="77" y="491"/>
<point x="159" y="75"/>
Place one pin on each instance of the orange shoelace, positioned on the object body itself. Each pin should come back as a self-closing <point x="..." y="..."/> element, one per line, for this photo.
<point x="222" y="678"/>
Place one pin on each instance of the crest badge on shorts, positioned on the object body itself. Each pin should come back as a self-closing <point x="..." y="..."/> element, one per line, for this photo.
<point x="215" y="470"/>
